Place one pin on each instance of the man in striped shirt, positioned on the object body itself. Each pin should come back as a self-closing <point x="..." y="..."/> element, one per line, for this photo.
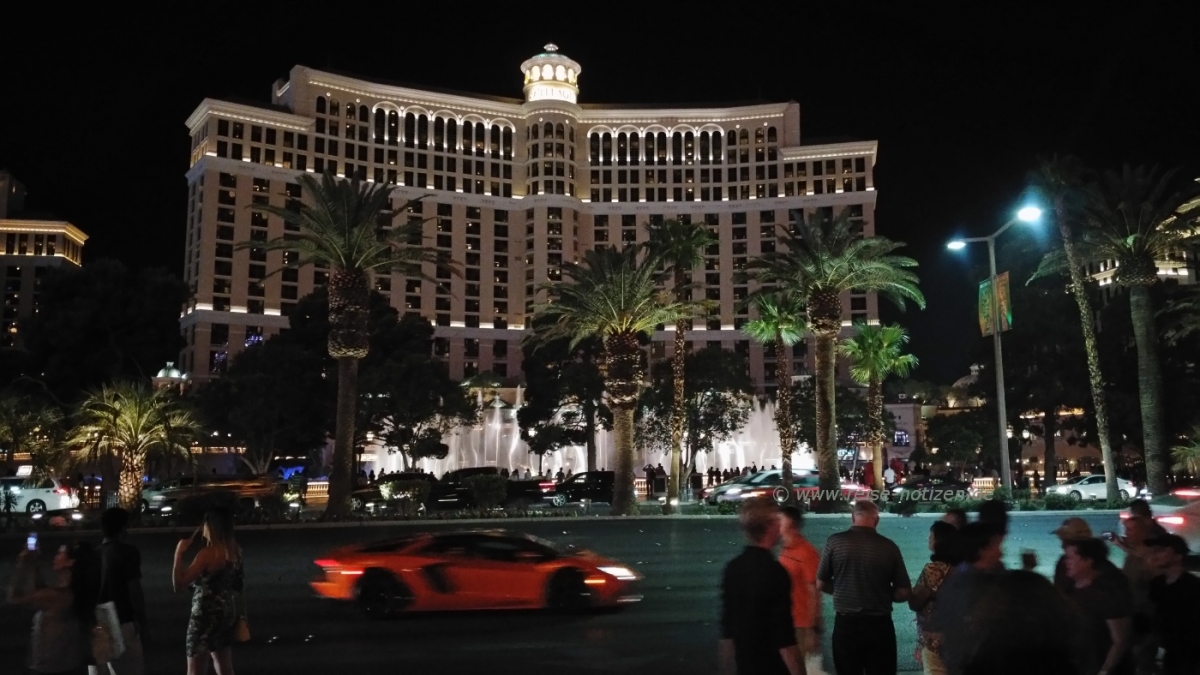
<point x="865" y="573"/>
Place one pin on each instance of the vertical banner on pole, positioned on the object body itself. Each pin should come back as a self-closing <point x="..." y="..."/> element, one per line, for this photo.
<point x="1003" y="302"/>
<point x="985" y="307"/>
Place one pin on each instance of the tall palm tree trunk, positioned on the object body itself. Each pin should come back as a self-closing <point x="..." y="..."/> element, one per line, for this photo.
<point x="875" y="434"/>
<point x="1150" y="388"/>
<point x="1095" y="377"/>
<point x="826" y="367"/>
<point x="341" y="477"/>
<point x="1049" y="429"/>
<point x="624" y="496"/>
<point x="623" y="367"/>
<point x="678" y="413"/>
<point x="589" y="428"/>
<point x="129" y="482"/>
<point x="783" y="410"/>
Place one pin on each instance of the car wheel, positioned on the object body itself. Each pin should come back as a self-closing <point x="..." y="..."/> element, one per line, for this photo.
<point x="356" y="504"/>
<point x="1124" y="495"/>
<point x="567" y="591"/>
<point x="145" y="506"/>
<point x="380" y="594"/>
<point x="559" y="499"/>
<point x="36" y="506"/>
<point x="1076" y="495"/>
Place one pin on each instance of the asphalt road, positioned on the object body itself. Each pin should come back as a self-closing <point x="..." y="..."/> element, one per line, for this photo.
<point x="673" y="630"/>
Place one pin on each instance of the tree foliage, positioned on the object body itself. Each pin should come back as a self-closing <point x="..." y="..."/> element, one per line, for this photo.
<point x="564" y="395"/>
<point x="718" y="400"/>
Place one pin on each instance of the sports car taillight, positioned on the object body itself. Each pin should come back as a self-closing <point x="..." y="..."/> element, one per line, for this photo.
<point x="326" y="564"/>
<point x="1170" y="520"/>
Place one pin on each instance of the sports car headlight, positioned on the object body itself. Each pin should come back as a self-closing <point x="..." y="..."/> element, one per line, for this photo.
<point x="622" y="573"/>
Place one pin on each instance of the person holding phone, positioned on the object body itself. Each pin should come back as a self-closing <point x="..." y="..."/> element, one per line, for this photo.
<point x="65" y="607"/>
<point x="217" y="580"/>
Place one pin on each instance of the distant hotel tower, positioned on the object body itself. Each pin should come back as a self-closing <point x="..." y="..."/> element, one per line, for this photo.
<point x="513" y="187"/>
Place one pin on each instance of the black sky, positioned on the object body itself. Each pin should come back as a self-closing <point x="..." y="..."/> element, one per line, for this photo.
<point x="962" y="100"/>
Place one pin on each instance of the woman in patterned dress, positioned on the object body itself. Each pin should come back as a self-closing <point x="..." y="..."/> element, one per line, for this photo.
<point x="216" y="578"/>
<point x="924" y="594"/>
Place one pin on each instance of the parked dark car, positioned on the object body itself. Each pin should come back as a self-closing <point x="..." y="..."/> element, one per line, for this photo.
<point x="371" y="496"/>
<point x="933" y="489"/>
<point x="451" y="492"/>
<point x="596" y="486"/>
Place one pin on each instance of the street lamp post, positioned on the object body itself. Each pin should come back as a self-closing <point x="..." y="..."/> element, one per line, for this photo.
<point x="1028" y="214"/>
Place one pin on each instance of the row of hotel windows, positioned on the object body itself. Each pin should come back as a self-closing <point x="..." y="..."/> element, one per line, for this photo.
<point x="678" y="148"/>
<point x="443" y="134"/>
<point x="22" y="243"/>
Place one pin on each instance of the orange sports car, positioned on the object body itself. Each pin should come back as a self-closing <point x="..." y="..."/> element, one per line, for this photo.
<point x="472" y="570"/>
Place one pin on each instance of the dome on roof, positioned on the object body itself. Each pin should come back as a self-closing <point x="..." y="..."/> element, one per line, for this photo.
<point x="170" y="372"/>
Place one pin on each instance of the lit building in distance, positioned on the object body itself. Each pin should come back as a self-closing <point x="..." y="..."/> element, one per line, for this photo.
<point x="31" y="246"/>
<point x="512" y="188"/>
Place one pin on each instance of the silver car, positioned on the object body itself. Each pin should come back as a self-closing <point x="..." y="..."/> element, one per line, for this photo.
<point x="1092" y="487"/>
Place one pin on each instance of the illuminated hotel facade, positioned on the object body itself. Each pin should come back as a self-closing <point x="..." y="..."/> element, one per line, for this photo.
<point x="511" y="188"/>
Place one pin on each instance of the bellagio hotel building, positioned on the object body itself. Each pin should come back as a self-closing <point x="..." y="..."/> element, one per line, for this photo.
<point x="511" y="188"/>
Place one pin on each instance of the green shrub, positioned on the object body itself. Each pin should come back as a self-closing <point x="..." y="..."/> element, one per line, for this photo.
<point x="273" y="509"/>
<point x="966" y="504"/>
<point x="487" y="491"/>
<point x="1057" y="502"/>
<point x="1029" y="505"/>
<point x="727" y="508"/>
<point x="409" y="495"/>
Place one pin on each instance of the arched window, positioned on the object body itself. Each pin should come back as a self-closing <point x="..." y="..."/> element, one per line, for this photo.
<point x="548" y="129"/>
<point x="559" y="132"/>
<point x="560" y="73"/>
<point x="533" y="132"/>
<point x="594" y="154"/>
<point x="571" y="133"/>
<point x="731" y="137"/>
<point x="508" y="144"/>
<point x="677" y="148"/>
<point x="410" y="129"/>
<point x="439" y="134"/>
<point x="716" y="147"/>
<point x="362" y="113"/>
<point x="744" y="137"/>
<point x="351" y="112"/>
<point x="422" y="131"/>
<point x="689" y="147"/>
<point x="661" y="142"/>
<point x="622" y="148"/>
<point x="468" y="136"/>
<point x="635" y="149"/>
<point x="705" y="147"/>
<point x="495" y="141"/>
<point x="393" y="132"/>
<point x="335" y="108"/>
<point x="452" y="135"/>
<point x="772" y="135"/>
<point x="380" y="126"/>
<point x="547" y="72"/>
<point x="759" y="135"/>
<point x="606" y="149"/>
<point x="321" y="105"/>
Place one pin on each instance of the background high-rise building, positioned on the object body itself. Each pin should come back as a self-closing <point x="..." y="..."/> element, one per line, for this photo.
<point x="31" y="246"/>
<point x="512" y="188"/>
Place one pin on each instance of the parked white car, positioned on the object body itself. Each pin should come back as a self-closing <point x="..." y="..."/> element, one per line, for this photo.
<point x="1092" y="487"/>
<point x="33" y="496"/>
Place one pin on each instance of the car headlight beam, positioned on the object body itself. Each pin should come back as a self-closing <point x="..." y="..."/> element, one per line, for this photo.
<point x="622" y="573"/>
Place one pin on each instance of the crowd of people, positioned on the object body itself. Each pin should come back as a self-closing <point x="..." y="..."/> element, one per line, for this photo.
<point x="90" y="614"/>
<point x="974" y="616"/>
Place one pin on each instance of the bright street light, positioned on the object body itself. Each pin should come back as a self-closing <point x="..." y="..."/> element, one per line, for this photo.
<point x="1029" y="214"/>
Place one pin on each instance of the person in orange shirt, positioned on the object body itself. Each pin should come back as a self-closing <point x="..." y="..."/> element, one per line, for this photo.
<point x="800" y="559"/>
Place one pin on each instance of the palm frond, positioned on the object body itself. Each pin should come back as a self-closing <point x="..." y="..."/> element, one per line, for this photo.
<point x="876" y="352"/>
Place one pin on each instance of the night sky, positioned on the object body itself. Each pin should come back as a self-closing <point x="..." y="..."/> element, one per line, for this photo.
<point x="962" y="105"/>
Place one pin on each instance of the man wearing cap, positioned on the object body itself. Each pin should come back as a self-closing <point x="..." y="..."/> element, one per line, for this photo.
<point x="1072" y="530"/>
<point x="1175" y="595"/>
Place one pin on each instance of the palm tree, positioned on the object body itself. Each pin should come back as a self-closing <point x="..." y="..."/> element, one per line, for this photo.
<point x="823" y="257"/>
<point x="1186" y="455"/>
<point x="875" y="353"/>
<point x="127" y="423"/>
<point x="610" y="294"/>
<point x="681" y="246"/>
<point x="1136" y="219"/>
<point x="347" y="226"/>
<point x="1061" y="179"/>
<point x="780" y="323"/>
<point x="25" y="423"/>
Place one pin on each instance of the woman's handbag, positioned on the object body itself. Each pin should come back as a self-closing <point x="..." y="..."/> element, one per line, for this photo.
<point x="108" y="643"/>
